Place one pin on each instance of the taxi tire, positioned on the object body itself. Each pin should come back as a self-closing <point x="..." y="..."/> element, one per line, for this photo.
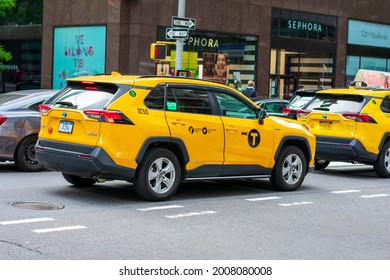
<point x="78" y="181"/>
<point x="154" y="162"/>
<point x="382" y="164"/>
<point x="25" y="159"/>
<point x="320" y="164"/>
<point x="291" y="158"/>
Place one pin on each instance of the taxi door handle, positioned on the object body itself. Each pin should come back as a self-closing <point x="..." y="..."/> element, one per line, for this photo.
<point x="178" y="123"/>
<point x="231" y="129"/>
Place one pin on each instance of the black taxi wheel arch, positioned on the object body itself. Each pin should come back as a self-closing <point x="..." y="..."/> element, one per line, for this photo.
<point x="158" y="176"/>
<point x="299" y="142"/>
<point x="289" y="170"/>
<point x="382" y="164"/>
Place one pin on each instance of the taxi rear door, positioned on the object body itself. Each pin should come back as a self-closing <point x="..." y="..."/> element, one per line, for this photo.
<point x="190" y="118"/>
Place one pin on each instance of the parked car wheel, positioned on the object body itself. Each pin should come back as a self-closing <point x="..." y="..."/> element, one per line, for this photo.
<point x="289" y="170"/>
<point x="158" y="176"/>
<point x="320" y="164"/>
<point x="78" y="181"/>
<point x="382" y="164"/>
<point x="25" y="158"/>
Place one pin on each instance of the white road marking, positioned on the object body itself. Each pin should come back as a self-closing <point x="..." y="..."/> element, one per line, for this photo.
<point x="263" y="198"/>
<point x="44" y="230"/>
<point x="26" y="221"/>
<point x="160" y="208"/>
<point x="296" y="203"/>
<point x="191" y="214"/>
<point x="346" y="191"/>
<point x="374" y="195"/>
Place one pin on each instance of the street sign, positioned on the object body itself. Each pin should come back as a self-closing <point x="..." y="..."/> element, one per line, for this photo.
<point x="184" y="22"/>
<point x="177" y="33"/>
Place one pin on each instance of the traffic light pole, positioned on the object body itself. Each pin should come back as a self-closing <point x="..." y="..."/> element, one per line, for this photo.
<point x="180" y="42"/>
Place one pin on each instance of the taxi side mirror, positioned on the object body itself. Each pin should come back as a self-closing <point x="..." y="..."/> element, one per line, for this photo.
<point x="262" y="115"/>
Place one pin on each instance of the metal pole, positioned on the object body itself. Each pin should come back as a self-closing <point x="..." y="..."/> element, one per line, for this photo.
<point x="180" y="42"/>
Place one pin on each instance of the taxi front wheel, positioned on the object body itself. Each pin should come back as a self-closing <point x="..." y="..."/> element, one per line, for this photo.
<point x="382" y="164"/>
<point x="289" y="170"/>
<point x="158" y="175"/>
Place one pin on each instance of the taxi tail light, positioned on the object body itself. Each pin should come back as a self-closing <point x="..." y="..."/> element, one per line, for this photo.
<point x="302" y="113"/>
<point x="359" y="117"/>
<point x="43" y="108"/>
<point x="286" y="111"/>
<point x="108" y="116"/>
<point x="2" y="119"/>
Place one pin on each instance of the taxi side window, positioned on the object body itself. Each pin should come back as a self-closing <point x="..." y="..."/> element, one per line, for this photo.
<point x="385" y="106"/>
<point x="188" y="100"/>
<point x="231" y="106"/>
<point x="155" y="99"/>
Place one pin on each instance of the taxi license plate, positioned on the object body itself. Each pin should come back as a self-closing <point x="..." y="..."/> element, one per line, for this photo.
<point x="65" y="126"/>
<point x="326" y="125"/>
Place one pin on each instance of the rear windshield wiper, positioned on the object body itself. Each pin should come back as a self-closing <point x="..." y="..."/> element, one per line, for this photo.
<point x="66" y="104"/>
<point x="321" y="109"/>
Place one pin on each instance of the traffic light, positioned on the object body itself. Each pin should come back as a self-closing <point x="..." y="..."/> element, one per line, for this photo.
<point x="158" y="51"/>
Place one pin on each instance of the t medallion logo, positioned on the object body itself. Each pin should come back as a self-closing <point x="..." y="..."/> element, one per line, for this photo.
<point x="253" y="138"/>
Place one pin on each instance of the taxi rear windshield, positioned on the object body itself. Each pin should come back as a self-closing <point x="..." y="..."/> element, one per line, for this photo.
<point x="85" y="95"/>
<point x="336" y="103"/>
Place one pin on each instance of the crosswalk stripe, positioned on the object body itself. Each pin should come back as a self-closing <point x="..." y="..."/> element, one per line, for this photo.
<point x="26" y="221"/>
<point x="44" y="230"/>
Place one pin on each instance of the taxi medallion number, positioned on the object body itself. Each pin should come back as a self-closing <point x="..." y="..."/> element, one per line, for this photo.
<point x="65" y="126"/>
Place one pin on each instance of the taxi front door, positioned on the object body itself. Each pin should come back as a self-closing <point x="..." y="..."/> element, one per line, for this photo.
<point x="248" y="144"/>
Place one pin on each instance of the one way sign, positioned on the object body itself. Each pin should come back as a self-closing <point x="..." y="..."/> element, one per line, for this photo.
<point x="177" y="33"/>
<point x="183" y="22"/>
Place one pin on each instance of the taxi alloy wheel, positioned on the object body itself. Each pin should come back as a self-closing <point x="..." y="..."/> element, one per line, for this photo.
<point x="158" y="175"/>
<point x="289" y="170"/>
<point x="25" y="155"/>
<point x="382" y="164"/>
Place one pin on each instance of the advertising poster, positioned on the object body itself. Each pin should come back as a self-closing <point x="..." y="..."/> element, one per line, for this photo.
<point x="215" y="67"/>
<point x="78" y="51"/>
<point x="373" y="78"/>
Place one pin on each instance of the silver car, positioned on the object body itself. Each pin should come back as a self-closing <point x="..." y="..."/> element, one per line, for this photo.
<point x="19" y="126"/>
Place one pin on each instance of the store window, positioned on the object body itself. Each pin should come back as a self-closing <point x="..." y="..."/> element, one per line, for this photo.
<point x="225" y="58"/>
<point x="303" y="48"/>
<point x="24" y="70"/>
<point x="291" y="69"/>
<point x="354" y="63"/>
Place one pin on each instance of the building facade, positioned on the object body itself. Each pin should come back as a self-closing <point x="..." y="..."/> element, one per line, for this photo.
<point x="279" y="44"/>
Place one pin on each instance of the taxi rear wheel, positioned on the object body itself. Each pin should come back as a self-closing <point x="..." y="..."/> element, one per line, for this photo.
<point x="78" y="181"/>
<point x="158" y="175"/>
<point x="289" y="170"/>
<point x="382" y="164"/>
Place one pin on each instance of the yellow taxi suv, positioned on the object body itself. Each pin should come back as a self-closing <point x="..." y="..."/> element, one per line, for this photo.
<point x="352" y="125"/>
<point x="157" y="131"/>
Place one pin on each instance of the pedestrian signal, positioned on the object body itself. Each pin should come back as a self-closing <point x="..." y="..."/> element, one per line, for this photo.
<point x="158" y="51"/>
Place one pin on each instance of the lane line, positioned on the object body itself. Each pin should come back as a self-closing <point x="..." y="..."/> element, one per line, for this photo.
<point x="160" y="208"/>
<point x="191" y="214"/>
<point x="296" y="203"/>
<point x="45" y="230"/>
<point x="263" y="198"/>
<point x="346" y="191"/>
<point x="374" y="195"/>
<point x="26" y="221"/>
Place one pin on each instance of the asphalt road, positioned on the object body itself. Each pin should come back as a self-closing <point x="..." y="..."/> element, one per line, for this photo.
<point x="341" y="213"/>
